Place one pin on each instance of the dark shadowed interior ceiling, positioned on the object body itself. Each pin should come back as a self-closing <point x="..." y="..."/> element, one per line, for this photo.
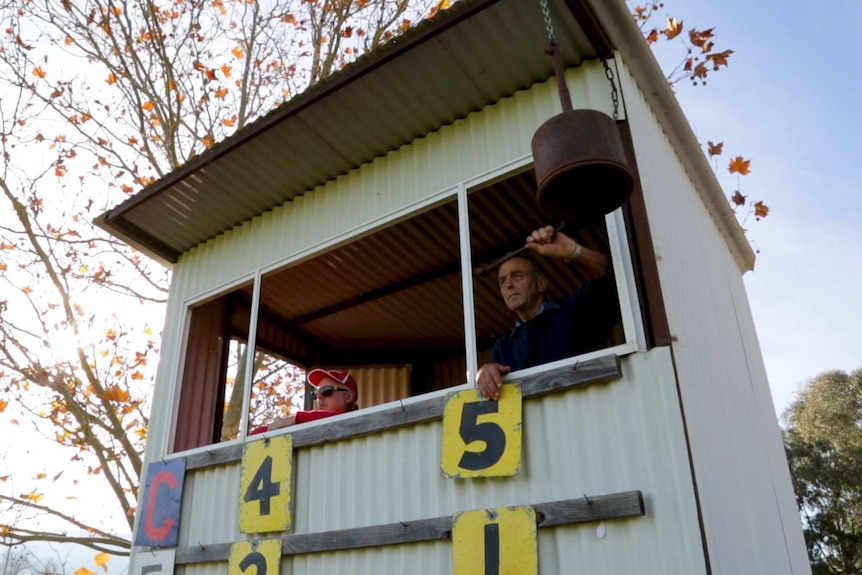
<point x="396" y="295"/>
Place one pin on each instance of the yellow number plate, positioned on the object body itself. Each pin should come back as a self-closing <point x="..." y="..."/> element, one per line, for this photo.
<point x="255" y="558"/>
<point x="482" y="438"/>
<point x="264" y="486"/>
<point x="498" y="541"/>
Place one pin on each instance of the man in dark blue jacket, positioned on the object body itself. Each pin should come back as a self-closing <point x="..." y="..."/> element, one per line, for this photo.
<point x="547" y="331"/>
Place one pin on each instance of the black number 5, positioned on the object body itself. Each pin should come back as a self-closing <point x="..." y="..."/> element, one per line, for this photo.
<point x="489" y="432"/>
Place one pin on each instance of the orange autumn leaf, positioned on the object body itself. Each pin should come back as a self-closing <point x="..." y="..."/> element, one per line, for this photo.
<point x="211" y="74"/>
<point x="652" y="37"/>
<point x="221" y="93"/>
<point x="715" y="149"/>
<point x="208" y="141"/>
<point x="739" y="165"/>
<point x="700" y="70"/>
<point x="761" y="210"/>
<point x="83" y="571"/>
<point x="238" y="53"/>
<point x="4" y="477"/>
<point x="148" y="106"/>
<point x="225" y="69"/>
<point x="229" y="122"/>
<point x="720" y="58"/>
<point x="112" y="79"/>
<point x="114" y="393"/>
<point x="673" y="29"/>
<point x="3" y="405"/>
<point x="41" y="475"/>
<point x="737" y="198"/>
<point x="700" y="38"/>
<point x="101" y="560"/>
<point x="39" y="72"/>
<point x="34" y="497"/>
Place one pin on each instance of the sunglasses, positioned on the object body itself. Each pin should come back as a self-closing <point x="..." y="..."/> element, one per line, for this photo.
<point x="328" y="390"/>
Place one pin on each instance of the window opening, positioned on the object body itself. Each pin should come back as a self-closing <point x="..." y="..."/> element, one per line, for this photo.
<point x="388" y="306"/>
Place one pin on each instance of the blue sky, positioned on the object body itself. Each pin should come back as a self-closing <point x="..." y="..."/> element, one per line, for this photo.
<point x="789" y="101"/>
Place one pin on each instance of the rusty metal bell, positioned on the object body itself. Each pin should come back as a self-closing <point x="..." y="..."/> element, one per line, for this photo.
<point x="581" y="168"/>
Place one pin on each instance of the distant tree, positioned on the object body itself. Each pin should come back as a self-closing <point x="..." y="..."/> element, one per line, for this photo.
<point x="823" y="440"/>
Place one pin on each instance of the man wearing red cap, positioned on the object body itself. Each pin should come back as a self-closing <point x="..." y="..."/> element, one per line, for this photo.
<point x="336" y="392"/>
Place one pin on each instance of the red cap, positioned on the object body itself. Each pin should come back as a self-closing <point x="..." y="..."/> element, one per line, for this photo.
<point x="315" y="376"/>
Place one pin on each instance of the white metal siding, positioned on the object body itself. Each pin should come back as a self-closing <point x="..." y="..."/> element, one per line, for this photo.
<point x="425" y="171"/>
<point x="749" y="513"/>
<point x="621" y="436"/>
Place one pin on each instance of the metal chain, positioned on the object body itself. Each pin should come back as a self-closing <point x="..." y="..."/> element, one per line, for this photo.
<point x="609" y="74"/>
<point x="615" y="97"/>
<point x="549" y="26"/>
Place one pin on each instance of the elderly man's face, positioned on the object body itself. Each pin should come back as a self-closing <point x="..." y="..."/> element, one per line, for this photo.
<point x="521" y="287"/>
<point x="337" y="401"/>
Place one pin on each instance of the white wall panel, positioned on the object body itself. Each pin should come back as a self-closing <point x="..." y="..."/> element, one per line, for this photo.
<point x="749" y="512"/>
<point x="430" y="167"/>
<point x="621" y="436"/>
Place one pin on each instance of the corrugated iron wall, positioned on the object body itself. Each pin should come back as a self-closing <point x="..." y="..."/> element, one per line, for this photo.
<point x="429" y="169"/>
<point x="620" y="436"/>
<point x="750" y="516"/>
<point x="381" y="384"/>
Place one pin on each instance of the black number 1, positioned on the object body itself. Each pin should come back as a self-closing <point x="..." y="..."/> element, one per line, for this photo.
<point x="489" y="432"/>
<point x="492" y="549"/>
<point x="261" y="487"/>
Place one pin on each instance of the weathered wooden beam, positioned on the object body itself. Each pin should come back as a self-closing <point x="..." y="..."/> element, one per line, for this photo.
<point x="591" y="372"/>
<point x="586" y="509"/>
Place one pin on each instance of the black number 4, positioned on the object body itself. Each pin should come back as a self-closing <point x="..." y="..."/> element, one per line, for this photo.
<point x="261" y="487"/>
<point x="489" y="432"/>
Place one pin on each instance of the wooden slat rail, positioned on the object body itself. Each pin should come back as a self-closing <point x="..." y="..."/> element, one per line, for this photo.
<point x="591" y="372"/>
<point x="621" y="505"/>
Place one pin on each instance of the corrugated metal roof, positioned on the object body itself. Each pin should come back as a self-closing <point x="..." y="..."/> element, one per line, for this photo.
<point x="465" y="58"/>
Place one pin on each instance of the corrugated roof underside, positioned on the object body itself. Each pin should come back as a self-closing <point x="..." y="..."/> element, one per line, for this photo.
<point x="294" y="149"/>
